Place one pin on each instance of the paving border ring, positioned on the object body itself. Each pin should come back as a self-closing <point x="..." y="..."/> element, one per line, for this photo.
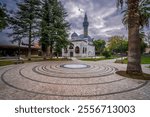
<point x="104" y="94"/>
<point x="62" y="72"/>
<point x="67" y="84"/>
<point x="57" y="67"/>
<point x="58" y="70"/>
<point x="101" y="75"/>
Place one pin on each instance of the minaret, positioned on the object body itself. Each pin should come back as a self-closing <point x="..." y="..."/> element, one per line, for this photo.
<point x="85" y="25"/>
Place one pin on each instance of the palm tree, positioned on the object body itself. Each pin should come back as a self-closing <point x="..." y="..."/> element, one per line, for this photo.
<point x="136" y="17"/>
<point x="144" y="10"/>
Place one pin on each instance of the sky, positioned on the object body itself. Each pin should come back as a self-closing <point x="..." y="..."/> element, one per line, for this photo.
<point x="105" y="20"/>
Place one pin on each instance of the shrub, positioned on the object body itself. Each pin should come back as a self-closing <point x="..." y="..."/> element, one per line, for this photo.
<point x="106" y="54"/>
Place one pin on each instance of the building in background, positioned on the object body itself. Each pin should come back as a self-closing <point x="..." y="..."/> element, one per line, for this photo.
<point x="12" y="50"/>
<point x="80" y="45"/>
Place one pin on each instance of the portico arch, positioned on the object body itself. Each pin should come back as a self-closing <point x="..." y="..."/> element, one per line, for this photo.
<point x="77" y="50"/>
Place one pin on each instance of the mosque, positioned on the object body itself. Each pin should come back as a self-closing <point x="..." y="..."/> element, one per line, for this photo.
<point x="80" y="45"/>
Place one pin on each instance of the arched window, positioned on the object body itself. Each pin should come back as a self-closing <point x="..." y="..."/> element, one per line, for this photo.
<point x="71" y="46"/>
<point x="77" y="50"/>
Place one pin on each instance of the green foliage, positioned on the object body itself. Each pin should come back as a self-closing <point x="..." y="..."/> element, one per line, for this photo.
<point x="99" y="45"/>
<point x="143" y="46"/>
<point x="144" y="60"/>
<point x="143" y="38"/>
<point x="118" y="44"/>
<point x="24" y="22"/>
<point x="94" y="59"/>
<point x="106" y="53"/>
<point x="136" y="17"/>
<point x="144" y="13"/>
<point x="59" y="45"/>
<point x="54" y="27"/>
<point x="6" y="62"/>
<point x="3" y="16"/>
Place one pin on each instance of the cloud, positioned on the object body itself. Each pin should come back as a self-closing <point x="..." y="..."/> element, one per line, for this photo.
<point x="104" y="18"/>
<point x="4" y="39"/>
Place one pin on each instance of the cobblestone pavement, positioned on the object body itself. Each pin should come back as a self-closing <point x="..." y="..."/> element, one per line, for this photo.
<point x="50" y="80"/>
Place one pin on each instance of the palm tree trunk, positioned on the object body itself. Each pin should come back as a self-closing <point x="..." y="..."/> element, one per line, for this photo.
<point x="134" y="54"/>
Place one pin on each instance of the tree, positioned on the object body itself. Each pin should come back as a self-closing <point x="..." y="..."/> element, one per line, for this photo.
<point x="16" y="26"/>
<point x="143" y="36"/>
<point x="118" y="44"/>
<point x="24" y="22"/>
<point x="106" y="53"/>
<point x="99" y="45"/>
<point x="143" y="46"/>
<point x="63" y="27"/>
<point x="60" y="43"/>
<point x="134" y="23"/>
<point x="144" y="14"/>
<point x="3" y="16"/>
<point x="54" y="26"/>
<point x="45" y="14"/>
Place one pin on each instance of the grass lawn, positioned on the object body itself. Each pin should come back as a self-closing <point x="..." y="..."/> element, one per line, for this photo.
<point x="48" y="59"/>
<point x="144" y="60"/>
<point x="7" y="62"/>
<point x="97" y="59"/>
<point x="34" y="59"/>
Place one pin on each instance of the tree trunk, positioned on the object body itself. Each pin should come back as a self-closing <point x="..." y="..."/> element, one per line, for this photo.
<point x="44" y="55"/>
<point x="51" y="49"/>
<point x="51" y="52"/>
<point x="29" y="46"/>
<point x="134" y="54"/>
<point x="19" y="49"/>
<point x="57" y="55"/>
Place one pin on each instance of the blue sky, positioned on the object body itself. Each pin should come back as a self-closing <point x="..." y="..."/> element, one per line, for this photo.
<point x="104" y="18"/>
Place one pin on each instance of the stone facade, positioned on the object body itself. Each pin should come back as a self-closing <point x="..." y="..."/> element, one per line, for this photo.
<point x="80" y="45"/>
<point x="147" y="50"/>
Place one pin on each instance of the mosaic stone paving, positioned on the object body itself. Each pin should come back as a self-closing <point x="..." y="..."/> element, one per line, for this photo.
<point x="52" y="80"/>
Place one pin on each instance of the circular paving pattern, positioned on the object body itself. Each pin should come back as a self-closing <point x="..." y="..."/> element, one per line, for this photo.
<point x="58" y="79"/>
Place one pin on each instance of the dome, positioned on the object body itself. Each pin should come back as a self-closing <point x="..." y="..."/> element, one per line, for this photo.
<point x="74" y="35"/>
<point x="82" y="37"/>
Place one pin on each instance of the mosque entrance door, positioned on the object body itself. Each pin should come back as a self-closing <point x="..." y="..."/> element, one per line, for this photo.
<point x="71" y="54"/>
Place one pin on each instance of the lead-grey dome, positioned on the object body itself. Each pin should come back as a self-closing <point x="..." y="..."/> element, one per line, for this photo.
<point x="83" y="37"/>
<point x="74" y="35"/>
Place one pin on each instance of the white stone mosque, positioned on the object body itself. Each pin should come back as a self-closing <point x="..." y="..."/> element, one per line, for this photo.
<point x="80" y="45"/>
